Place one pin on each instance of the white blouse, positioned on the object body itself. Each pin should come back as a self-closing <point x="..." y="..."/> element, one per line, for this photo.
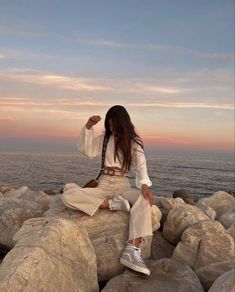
<point x="91" y="146"/>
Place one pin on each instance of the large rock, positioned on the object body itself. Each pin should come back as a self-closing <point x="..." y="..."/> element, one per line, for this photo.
<point x="161" y="248"/>
<point x="167" y="275"/>
<point x="220" y="201"/>
<point x="49" y="255"/>
<point x="231" y="231"/>
<point x="108" y="232"/>
<point x="179" y="218"/>
<point x="18" y="205"/>
<point x="169" y="203"/>
<point x="206" y="209"/>
<point x="156" y="217"/>
<point x="158" y="202"/>
<point x="227" y="218"/>
<point x="16" y="192"/>
<point x="224" y="283"/>
<point x="208" y="249"/>
<point x="184" y="195"/>
<point x="25" y="193"/>
<point x="13" y="213"/>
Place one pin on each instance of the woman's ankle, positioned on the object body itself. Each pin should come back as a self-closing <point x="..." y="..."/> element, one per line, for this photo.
<point x="104" y="205"/>
<point x="136" y="241"/>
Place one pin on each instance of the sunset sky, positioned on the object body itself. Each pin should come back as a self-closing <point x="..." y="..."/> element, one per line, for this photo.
<point x="170" y="63"/>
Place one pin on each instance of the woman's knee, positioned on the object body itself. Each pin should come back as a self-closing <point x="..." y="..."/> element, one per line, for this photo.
<point x="131" y="195"/>
<point x="70" y="186"/>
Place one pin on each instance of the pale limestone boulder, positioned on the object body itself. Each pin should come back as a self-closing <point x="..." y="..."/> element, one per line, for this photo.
<point x="220" y="201"/>
<point x="158" y="200"/>
<point x="13" y="212"/>
<point x="160" y="247"/>
<point x="50" y="255"/>
<point x="108" y="232"/>
<point x="231" y="231"/>
<point x="224" y="283"/>
<point x="164" y="212"/>
<point x="156" y="217"/>
<point x="227" y="218"/>
<point x="178" y="202"/>
<point x="169" y="203"/>
<point x="26" y="194"/>
<point x="17" y="206"/>
<point x="206" y="209"/>
<point x="179" y="219"/>
<point x="167" y="275"/>
<point x="16" y="192"/>
<point x="208" y="249"/>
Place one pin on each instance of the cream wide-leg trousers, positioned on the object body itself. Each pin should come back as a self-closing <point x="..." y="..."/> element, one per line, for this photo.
<point x="88" y="200"/>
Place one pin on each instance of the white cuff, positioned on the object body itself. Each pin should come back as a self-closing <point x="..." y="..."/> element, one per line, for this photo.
<point x="143" y="181"/>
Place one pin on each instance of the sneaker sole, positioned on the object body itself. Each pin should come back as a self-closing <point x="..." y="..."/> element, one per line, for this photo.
<point x="127" y="205"/>
<point x="134" y="267"/>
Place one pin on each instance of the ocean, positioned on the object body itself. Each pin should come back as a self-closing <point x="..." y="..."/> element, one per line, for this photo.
<point x="200" y="175"/>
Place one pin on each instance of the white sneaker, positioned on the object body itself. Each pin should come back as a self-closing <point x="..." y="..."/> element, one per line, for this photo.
<point x="132" y="259"/>
<point x="119" y="203"/>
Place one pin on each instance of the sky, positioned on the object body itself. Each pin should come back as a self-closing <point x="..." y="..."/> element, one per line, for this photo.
<point x="170" y="63"/>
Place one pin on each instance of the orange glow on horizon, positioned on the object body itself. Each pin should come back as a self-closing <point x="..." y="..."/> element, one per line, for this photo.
<point x="191" y="143"/>
<point x="69" y="135"/>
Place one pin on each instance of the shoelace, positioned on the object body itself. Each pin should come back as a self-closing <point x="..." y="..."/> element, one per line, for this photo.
<point x="137" y="255"/>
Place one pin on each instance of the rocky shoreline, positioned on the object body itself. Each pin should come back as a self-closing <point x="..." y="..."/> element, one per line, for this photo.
<point x="45" y="246"/>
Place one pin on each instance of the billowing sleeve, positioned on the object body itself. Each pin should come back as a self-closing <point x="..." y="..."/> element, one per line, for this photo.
<point x="139" y="166"/>
<point x="88" y="144"/>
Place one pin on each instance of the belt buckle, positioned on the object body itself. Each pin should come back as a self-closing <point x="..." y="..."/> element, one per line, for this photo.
<point x="112" y="171"/>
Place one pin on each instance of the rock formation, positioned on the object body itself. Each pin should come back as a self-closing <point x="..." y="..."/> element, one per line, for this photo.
<point x="47" y="246"/>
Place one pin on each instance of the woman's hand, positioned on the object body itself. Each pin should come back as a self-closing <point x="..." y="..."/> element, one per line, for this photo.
<point x="92" y="121"/>
<point x="147" y="194"/>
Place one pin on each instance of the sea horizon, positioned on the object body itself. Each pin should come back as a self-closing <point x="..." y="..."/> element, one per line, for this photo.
<point x="199" y="174"/>
<point x="148" y="151"/>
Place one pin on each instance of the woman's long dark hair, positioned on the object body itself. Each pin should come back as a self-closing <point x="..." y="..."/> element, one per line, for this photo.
<point x="124" y="134"/>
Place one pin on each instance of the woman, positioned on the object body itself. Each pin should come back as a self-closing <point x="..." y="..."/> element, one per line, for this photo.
<point x="124" y="151"/>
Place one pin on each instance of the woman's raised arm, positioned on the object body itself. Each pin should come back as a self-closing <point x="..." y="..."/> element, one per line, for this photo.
<point x="87" y="143"/>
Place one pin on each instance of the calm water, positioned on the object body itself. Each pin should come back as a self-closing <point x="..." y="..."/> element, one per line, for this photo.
<point x="200" y="175"/>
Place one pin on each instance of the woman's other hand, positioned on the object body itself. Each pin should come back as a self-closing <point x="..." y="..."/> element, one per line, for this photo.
<point x="147" y="194"/>
<point x="92" y="121"/>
